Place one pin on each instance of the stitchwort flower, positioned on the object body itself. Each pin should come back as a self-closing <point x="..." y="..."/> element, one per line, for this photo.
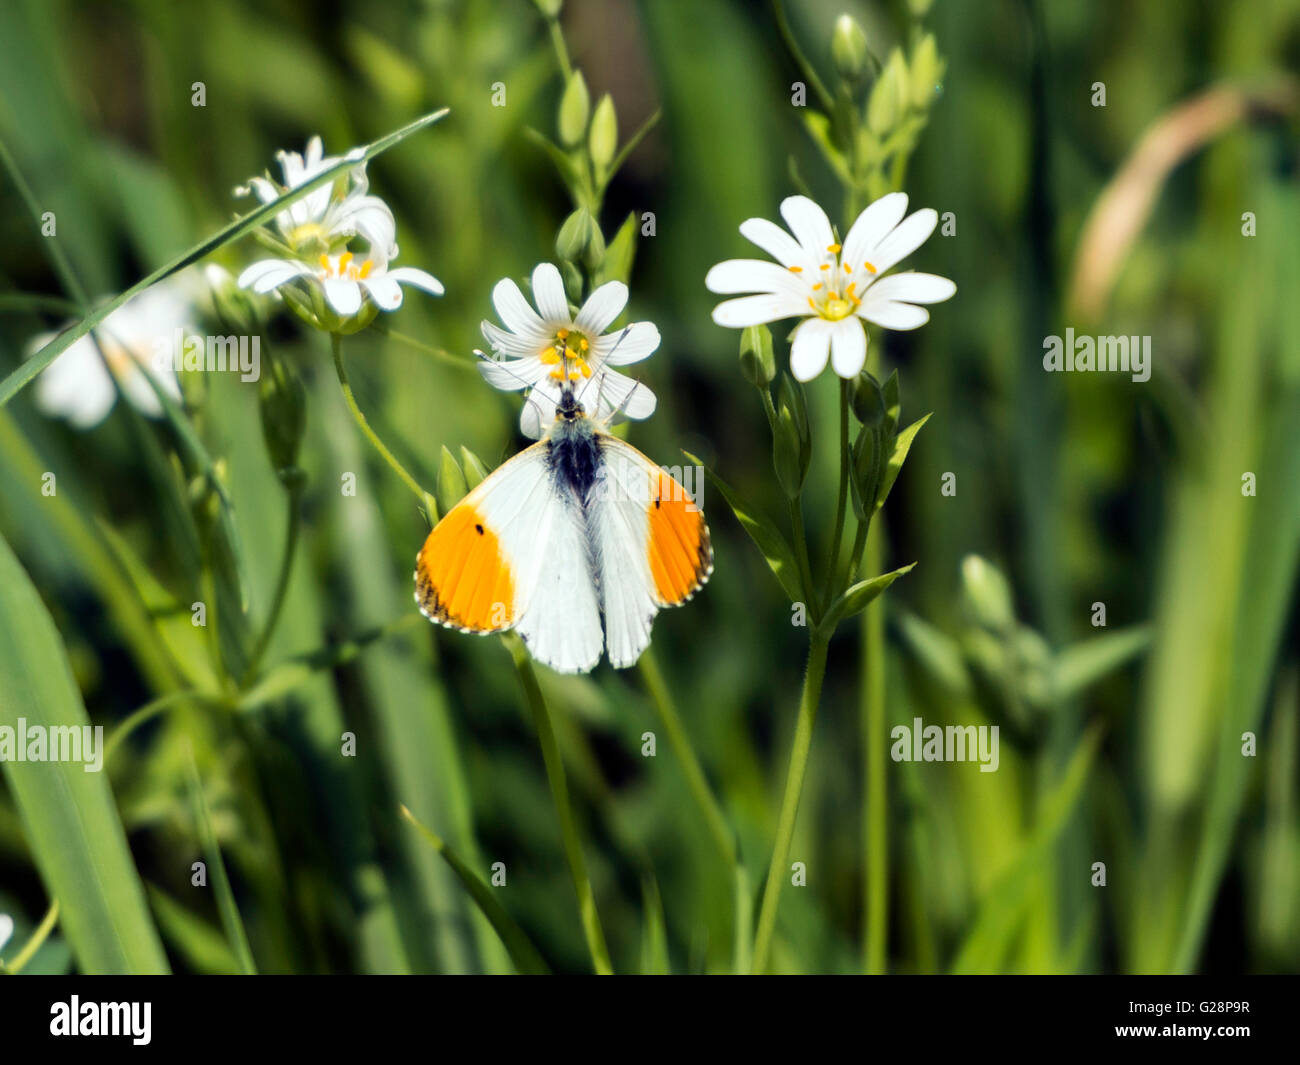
<point x="543" y="349"/>
<point x="832" y="286"/>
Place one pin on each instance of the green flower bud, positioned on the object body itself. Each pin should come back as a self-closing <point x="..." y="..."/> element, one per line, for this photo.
<point x="757" y="362"/>
<point x="987" y="594"/>
<point x="888" y="96"/>
<point x="919" y="8"/>
<point x="283" y="404"/>
<point x="926" y="73"/>
<point x="575" y="235"/>
<point x="575" y="108"/>
<point x="864" y="477"/>
<point x="868" y="400"/>
<point x="549" y="8"/>
<point x="475" y="471"/>
<point x="594" y="256"/>
<point x="790" y="469"/>
<point x="451" y="482"/>
<point x="849" y="48"/>
<point x="602" y="141"/>
<point x="572" y="281"/>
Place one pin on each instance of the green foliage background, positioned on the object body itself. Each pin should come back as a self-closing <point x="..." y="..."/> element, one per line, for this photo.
<point x="1080" y="488"/>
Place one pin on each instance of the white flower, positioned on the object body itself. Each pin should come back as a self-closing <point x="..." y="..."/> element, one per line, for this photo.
<point x="546" y="348"/>
<point x="331" y="214"/>
<point x="6" y="929"/>
<point x="344" y="282"/>
<point x="832" y="287"/>
<point x="77" y="385"/>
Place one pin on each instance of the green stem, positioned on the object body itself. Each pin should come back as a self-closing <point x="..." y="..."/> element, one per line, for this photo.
<point x="801" y="556"/>
<point x="41" y="934"/>
<point x="560" y="793"/>
<point x="803" y="731"/>
<point x="149" y="711"/>
<point x="801" y="61"/>
<point x="294" y="494"/>
<point x="723" y="838"/>
<point x="336" y="346"/>
<point x="561" y="49"/>
<point x="833" y="562"/>
<point x="876" y="762"/>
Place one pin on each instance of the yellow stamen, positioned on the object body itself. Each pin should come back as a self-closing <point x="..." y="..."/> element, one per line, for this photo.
<point x="550" y="357"/>
<point x="870" y="267"/>
<point x="848" y="269"/>
<point x="824" y="266"/>
<point x="834" y="249"/>
<point x="562" y="333"/>
<point x="586" y="370"/>
<point x="818" y="287"/>
<point x="583" y="344"/>
<point x="796" y="269"/>
<point x="366" y="267"/>
<point x="344" y="259"/>
<point x="325" y="264"/>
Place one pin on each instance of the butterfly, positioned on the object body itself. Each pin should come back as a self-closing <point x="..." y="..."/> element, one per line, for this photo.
<point x="578" y="527"/>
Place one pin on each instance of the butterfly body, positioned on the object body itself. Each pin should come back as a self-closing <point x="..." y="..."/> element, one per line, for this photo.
<point x="577" y="542"/>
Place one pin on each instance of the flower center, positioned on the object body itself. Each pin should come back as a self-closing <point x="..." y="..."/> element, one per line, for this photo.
<point x="835" y="295"/>
<point x="344" y="269"/>
<point x="308" y="232"/>
<point x="569" y="356"/>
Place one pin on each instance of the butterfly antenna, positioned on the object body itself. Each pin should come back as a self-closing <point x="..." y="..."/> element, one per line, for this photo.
<point x="621" y="337"/>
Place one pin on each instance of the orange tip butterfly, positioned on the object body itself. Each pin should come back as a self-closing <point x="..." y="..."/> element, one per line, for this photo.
<point x="578" y="527"/>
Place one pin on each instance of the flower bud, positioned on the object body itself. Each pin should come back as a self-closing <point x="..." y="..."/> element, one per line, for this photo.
<point x="987" y="594"/>
<point x="926" y="71"/>
<point x="474" y="469"/>
<point x="451" y="482"/>
<point x="864" y="476"/>
<point x="888" y="96"/>
<point x="549" y="8"/>
<point x="575" y="235"/>
<point x="868" y="400"/>
<point x="602" y="141"/>
<point x="849" y="48"/>
<point x="757" y="362"/>
<point x="790" y="469"/>
<point x="282" y="401"/>
<point x="575" y="108"/>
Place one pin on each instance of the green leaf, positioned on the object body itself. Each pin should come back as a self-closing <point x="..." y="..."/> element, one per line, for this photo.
<point x="517" y="944"/>
<point x="1082" y="664"/>
<point x="71" y="822"/>
<point x="620" y="253"/>
<point x="654" y="936"/>
<point x="779" y="555"/>
<point x="902" y="444"/>
<point x="859" y="597"/>
<point x="28" y="370"/>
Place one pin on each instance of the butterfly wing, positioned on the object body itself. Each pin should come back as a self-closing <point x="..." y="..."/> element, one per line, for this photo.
<point x="513" y="554"/>
<point x="652" y="547"/>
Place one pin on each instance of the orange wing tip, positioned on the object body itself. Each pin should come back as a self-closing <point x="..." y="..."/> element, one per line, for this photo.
<point x="461" y="580"/>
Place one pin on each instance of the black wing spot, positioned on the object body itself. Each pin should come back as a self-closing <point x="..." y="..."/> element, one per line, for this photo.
<point x="479" y="529"/>
<point x="656" y="504"/>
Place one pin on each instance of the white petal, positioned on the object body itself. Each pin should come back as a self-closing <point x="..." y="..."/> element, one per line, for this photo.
<point x="914" y="288"/>
<point x="601" y="308"/>
<point x="893" y="315"/>
<point x="267" y="274"/>
<point x="910" y="234"/>
<point x="548" y="294"/>
<point x="343" y="296"/>
<point x="754" y="275"/>
<point x="515" y="312"/>
<point x="539" y="409"/>
<point x="417" y="278"/>
<point x="370" y="218"/>
<point x="809" y="224"/>
<point x="506" y="343"/>
<point x="139" y="392"/>
<point x="629" y="344"/>
<point x="385" y="291"/>
<point x="848" y="347"/>
<point x="811" y="348"/>
<point x="510" y="375"/>
<point x="871" y="227"/>
<point x="775" y="241"/>
<point x="613" y="395"/>
<point x="76" y="386"/>
<point x="755" y="310"/>
<point x="262" y="189"/>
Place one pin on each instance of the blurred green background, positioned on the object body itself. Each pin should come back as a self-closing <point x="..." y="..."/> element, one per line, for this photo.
<point x="1120" y="745"/>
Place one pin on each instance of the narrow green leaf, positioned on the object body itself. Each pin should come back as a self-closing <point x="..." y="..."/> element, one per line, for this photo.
<point x="654" y="935"/>
<point x="859" y="597"/>
<point x="28" y="370"/>
<point x="902" y="444"/>
<point x="522" y="952"/>
<point x="1083" y="664"/>
<point x="71" y="822"/>
<point x="779" y="555"/>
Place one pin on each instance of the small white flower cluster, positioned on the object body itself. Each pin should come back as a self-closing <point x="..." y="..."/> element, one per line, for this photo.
<point x="325" y="282"/>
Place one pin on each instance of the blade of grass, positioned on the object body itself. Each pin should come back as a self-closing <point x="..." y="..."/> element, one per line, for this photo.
<point x="71" y="822"/>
